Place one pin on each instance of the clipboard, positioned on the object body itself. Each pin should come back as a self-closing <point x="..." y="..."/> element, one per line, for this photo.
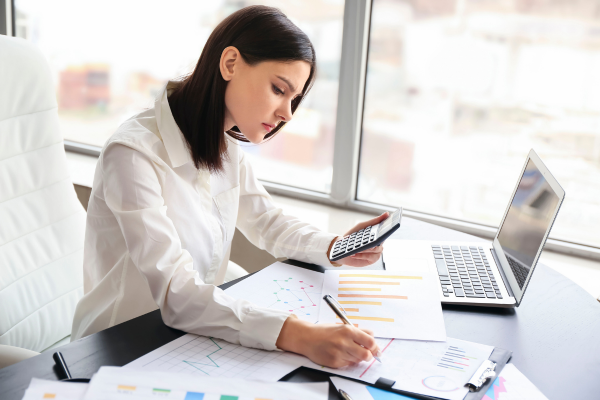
<point x="499" y="358"/>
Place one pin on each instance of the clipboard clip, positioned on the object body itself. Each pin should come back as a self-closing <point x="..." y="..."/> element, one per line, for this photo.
<point x="486" y="370"/>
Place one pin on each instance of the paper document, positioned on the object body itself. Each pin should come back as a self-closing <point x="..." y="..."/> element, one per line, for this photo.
<point x="283" y="287"/>
<point x="205" y="356"/>
<point x="402" y="255"/>
<point x="511" y="384"/>
<point x="439" y="369"/>
<point x="123" y="383"/>
<point x="404" y="306"/>
<point x="359" y="391"/>
<point x="40" y="389"/>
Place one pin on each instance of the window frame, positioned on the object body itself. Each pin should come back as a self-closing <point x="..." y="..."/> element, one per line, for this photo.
<point x="348" y="134"/>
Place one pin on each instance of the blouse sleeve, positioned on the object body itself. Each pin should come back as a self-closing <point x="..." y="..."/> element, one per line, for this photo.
<point x="133" y="192"/>
<point x="268" y="228"/>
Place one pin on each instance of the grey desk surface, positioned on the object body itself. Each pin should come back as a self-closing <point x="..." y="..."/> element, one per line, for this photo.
<point x="554" y="335"/>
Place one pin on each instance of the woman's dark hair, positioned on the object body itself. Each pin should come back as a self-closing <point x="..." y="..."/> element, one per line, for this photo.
<point x="260" y="34"/>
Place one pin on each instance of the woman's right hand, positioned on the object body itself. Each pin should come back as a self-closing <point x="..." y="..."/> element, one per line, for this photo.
<point x="331" y="345"/>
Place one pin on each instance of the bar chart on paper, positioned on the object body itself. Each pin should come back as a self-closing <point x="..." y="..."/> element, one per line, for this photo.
<point x="283" y="287"/>
<point x="206" y="356"/>
<point x="117" y="383"/>
<point x="393" y="305"/>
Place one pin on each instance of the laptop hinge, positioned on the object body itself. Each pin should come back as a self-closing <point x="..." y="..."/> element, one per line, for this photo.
<point x="506" y="285"/>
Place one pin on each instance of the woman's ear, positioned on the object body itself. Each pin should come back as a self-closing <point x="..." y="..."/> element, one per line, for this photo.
<point x="229" y="60"/>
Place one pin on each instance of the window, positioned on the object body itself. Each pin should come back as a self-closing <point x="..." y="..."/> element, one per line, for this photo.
<point x="110" y="60"/>
<point x="439" y="100"/>
<point x="457" y="92"/>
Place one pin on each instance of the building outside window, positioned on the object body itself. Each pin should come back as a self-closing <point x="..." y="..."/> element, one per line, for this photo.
<point x="458" y="92"/>
<point x="111" y="59"/>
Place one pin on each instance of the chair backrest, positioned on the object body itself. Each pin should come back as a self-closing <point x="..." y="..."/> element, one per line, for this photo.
<point x="42" y="223"/>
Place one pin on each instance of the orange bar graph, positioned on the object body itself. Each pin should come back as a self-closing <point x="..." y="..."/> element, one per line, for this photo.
<point x="341" y="323"/>
<point x="367" y="283"/>
<point x="369" y="318"/>
<point x="357" y="289"/>
<point x="374" y="296"/>
<point x="379" y="276"/>
<point x="124" y="387"/>
<point x="369" y="303"/>
<point x="351" y="309"/>
<point x="49" y="396"/>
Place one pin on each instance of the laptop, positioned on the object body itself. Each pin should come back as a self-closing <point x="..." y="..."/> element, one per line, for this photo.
<point x="497" y="274"/>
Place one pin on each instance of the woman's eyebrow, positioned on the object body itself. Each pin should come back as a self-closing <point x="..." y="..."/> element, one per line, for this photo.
<point x="287" y="82"/>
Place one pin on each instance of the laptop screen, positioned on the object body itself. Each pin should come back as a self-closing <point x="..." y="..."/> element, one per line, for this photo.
<point x="529" y="216"/>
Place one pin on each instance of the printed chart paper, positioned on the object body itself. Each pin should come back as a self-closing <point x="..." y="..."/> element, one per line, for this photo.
<point x="393" y="305"/>
<point x="283" y="287"/>
<point x="511" y="384"/>
<point x="205" y="356"/>
<point x="123" y="383"/>
<point x="439" y="369"/>
<point x="40" y="389"/>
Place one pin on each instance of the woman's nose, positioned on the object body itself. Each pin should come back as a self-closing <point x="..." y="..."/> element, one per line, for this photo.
<point x="285" y="113"/>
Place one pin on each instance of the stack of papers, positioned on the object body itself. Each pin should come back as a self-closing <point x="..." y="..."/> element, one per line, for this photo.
<point x="396" y="305"/>
<point x="121" y="383"/>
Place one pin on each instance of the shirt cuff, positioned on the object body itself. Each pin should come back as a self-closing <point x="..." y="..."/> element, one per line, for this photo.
<point x="318" y="245"/>
<point x="261" y="327"/>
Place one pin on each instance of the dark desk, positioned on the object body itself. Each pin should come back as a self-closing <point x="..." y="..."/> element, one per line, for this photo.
<point x="554" y="335"/>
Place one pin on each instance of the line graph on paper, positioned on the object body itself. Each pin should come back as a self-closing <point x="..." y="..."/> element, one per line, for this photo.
<point x="283" y="287"/>
<point x="206" y="356"/>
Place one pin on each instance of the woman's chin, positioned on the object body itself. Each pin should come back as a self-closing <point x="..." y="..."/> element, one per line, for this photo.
<point x="256" y="138"/>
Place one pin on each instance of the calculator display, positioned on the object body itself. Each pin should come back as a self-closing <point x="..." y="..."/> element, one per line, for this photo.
<point x="388" y="223"/>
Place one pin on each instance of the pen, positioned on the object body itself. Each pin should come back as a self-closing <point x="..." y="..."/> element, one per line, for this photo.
<point x="331" y="302"/>
<point x="345" y="395"/>
<point x="62" y="365"/>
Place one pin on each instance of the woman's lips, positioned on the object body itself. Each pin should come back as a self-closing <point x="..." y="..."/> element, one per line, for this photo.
<point x="268" y="127"/>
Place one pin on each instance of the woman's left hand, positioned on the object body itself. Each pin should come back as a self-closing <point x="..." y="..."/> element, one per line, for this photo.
<point x="366" y="257"/>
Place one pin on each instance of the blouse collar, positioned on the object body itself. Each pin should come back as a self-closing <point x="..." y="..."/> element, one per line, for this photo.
<point x="172" y="137"/>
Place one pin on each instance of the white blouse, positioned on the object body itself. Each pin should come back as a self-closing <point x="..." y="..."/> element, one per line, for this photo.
<point x="159" y="235"/>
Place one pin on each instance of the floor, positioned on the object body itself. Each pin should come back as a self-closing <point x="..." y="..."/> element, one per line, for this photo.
<point x="584" y="272"/>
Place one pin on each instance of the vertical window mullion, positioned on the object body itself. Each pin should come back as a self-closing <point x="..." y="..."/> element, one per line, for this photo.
<point x="350" y="101"/>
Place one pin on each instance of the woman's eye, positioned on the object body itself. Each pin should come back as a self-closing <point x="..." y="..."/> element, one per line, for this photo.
<point x="277" y="90"/>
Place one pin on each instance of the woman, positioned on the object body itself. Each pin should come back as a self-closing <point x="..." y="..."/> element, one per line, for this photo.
<point x="172" y="184"/>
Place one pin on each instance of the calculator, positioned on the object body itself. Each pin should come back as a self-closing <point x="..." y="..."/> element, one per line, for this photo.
<point x="366" y="238"/>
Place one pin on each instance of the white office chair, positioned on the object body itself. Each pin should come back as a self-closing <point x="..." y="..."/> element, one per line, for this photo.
<point x="42" y="223"/>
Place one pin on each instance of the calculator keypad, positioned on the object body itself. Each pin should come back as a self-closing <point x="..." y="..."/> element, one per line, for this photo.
<point x="352" y="242"/>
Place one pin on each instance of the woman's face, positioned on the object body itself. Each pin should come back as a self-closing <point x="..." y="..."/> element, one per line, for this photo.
<point x="260" y="96"/>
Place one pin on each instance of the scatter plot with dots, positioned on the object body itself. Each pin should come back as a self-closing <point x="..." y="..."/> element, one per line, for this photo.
<point x="283" y="287"/>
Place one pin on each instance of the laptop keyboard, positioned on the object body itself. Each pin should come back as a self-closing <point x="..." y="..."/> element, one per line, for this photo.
<point x="465" y="271"/>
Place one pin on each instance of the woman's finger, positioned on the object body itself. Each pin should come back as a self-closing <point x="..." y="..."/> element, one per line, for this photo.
<point x="366" y="257"/>
<point x="359" y="353"/>
<point x="366" y="340"/>
<point x="376" y="249"/>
